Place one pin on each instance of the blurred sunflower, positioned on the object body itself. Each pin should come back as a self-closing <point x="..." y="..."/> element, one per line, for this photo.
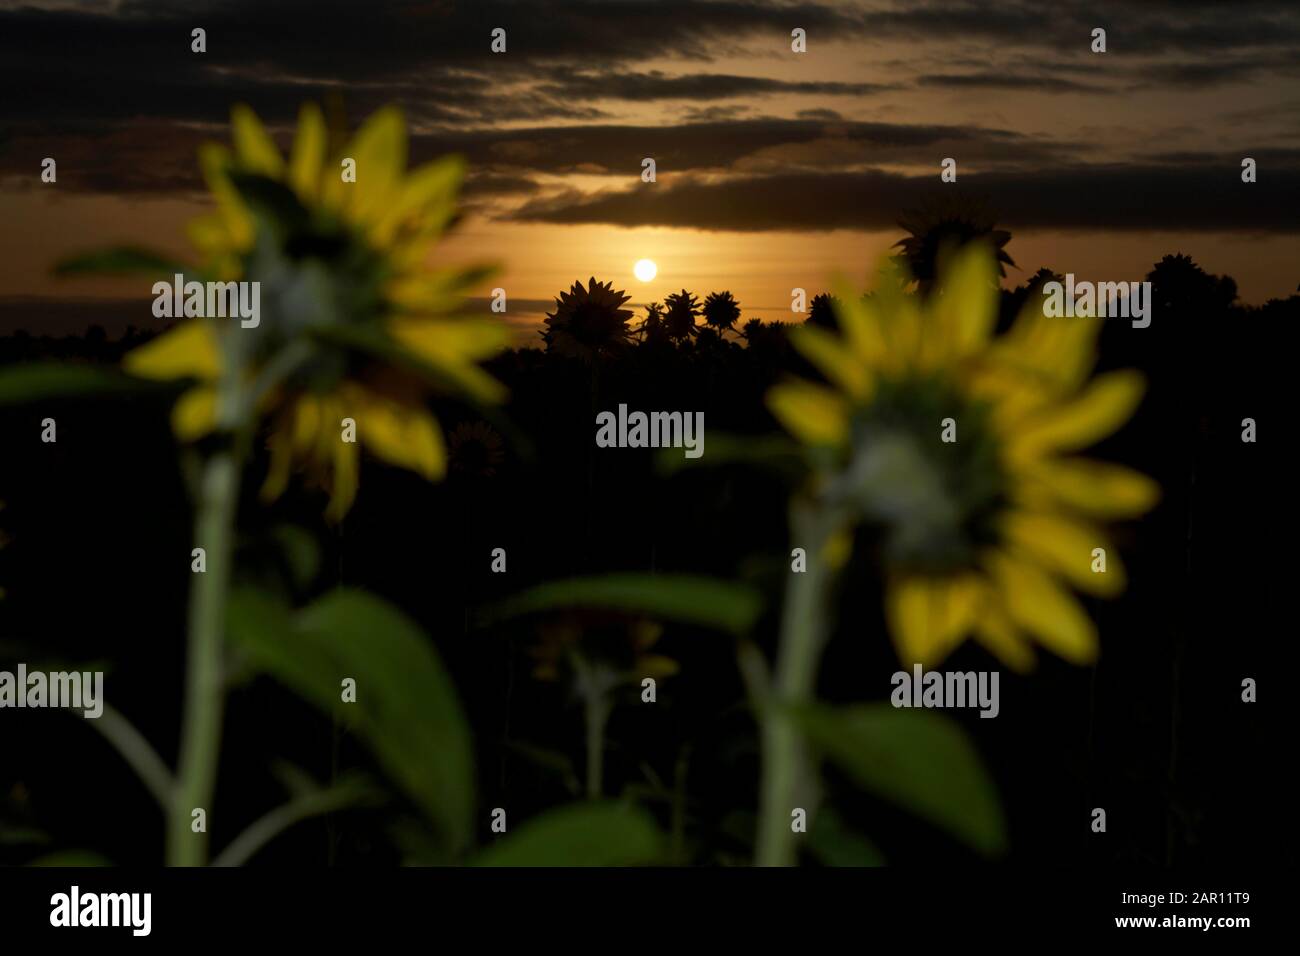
<point x="353" y="318"/>
<point x="981" y="534"/>
<point x="476" y="448"/>
<point x="612" y="644"/>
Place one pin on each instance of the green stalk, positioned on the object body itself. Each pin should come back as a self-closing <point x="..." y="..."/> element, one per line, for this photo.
<point x="597" y="713"/>
<point x="788" y="777"/>
<point x="201" y="724"/>
<point x="214" y="531"/>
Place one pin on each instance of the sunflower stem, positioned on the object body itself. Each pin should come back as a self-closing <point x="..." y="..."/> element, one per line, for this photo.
<point x="788" y="780"/>
<point x="204" y="691"/>
<point x="214" y="528"/>
<point x="597" y="713"/>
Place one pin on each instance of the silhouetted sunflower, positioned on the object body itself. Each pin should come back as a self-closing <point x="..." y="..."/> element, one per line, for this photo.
<point x="652" y="326"/>
<point x="475" y="448"/>
<point x="588" y="323"/>
<point x="979" y="523"/>
<point x="941" y="229"/>
<point x="721" y="310"/>
<point x="679" y="317"/>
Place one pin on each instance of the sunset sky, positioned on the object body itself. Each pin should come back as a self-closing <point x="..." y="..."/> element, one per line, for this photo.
<point x="775" y="169"/>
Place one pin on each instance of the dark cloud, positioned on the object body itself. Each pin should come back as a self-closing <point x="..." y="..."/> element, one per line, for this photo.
<point x="999" y="80"/>
<point x="1136" y="29"/>
<point x="1208" y="197"/>
<point x="818" y="142"/>
<point x="656" y="85"/>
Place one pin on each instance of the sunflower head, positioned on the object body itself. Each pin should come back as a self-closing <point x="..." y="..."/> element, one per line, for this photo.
<point x="957" y="447"/>
<point x="576" y="645"/>
<point x="353" y="313"/>
<point x="476" y="448"/>
<point x="681" y="309"/>
<point x="588" y="322"/>
<point x="937" y="231"/>
<point x="721" y="310"/>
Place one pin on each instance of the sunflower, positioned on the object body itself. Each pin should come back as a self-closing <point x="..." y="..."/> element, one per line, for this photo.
<point x="618" y="647"/>
<point x="940" y="228"/>
<point x="353" y="318"/>
<point x="589" y="322"/>
<point x="982" y="535"/>
<point x="476" y="448"/>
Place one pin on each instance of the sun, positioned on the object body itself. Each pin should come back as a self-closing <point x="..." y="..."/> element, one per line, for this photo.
<point x="645" y="270"/>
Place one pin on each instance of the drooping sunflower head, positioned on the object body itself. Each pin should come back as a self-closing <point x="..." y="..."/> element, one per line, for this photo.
<point x="958" y="448"/>
<point x="353" y="324"/>
<point x="588" y="322"/>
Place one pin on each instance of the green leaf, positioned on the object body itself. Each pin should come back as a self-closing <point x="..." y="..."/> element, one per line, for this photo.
<point x="714" y="603"/>
<point x="921" y="761"/>
<point x="300" y="552"/>
<point x="120" y="260"/>
<point x="585" y="834"/>
<point x="836" y="844"/>
<point x="41" y="381"/>
<point x="406" y="708"/>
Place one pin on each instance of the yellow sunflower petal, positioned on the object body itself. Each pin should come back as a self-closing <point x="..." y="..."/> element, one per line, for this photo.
<point x="402" y="435"/>
<point x="425" y="292"/>
<point x="897" y="315"/>
<point x="254" y="148"/>
<point x="861" y="326"/>
<point x="195" y="413"/>
<point x="306" y="424"/>
<point x="380" y="153"/>
<point x="1066" y="547"/>
<point x="1057" y="351"/>
<point x="345" y="483"/>
<point x="832" y="359"/>
<point x="426" y="202"/>
<point x="1095" y="488"/>
<point x="999" y="636"/>
<point x="1106" y="404"/>
<point x="452" y="346"/>
<point x="280" y="445"/>
<point x="187" y="350"/>
<point x="656" y="665"/>
<point x="965" y="307"/>
<point x="214" y="161"/>
<point x="1036" y="603"/>
<point x="307" y="158"/>
<point x="812" y="413"/>
<point x="929" y="616"/>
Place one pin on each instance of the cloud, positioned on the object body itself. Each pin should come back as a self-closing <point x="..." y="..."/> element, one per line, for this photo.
<point x="656" y="85"/>
<point x="713" y="144"/>
<point x="998" y="80"/>
<point x="1208" y="197"/>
